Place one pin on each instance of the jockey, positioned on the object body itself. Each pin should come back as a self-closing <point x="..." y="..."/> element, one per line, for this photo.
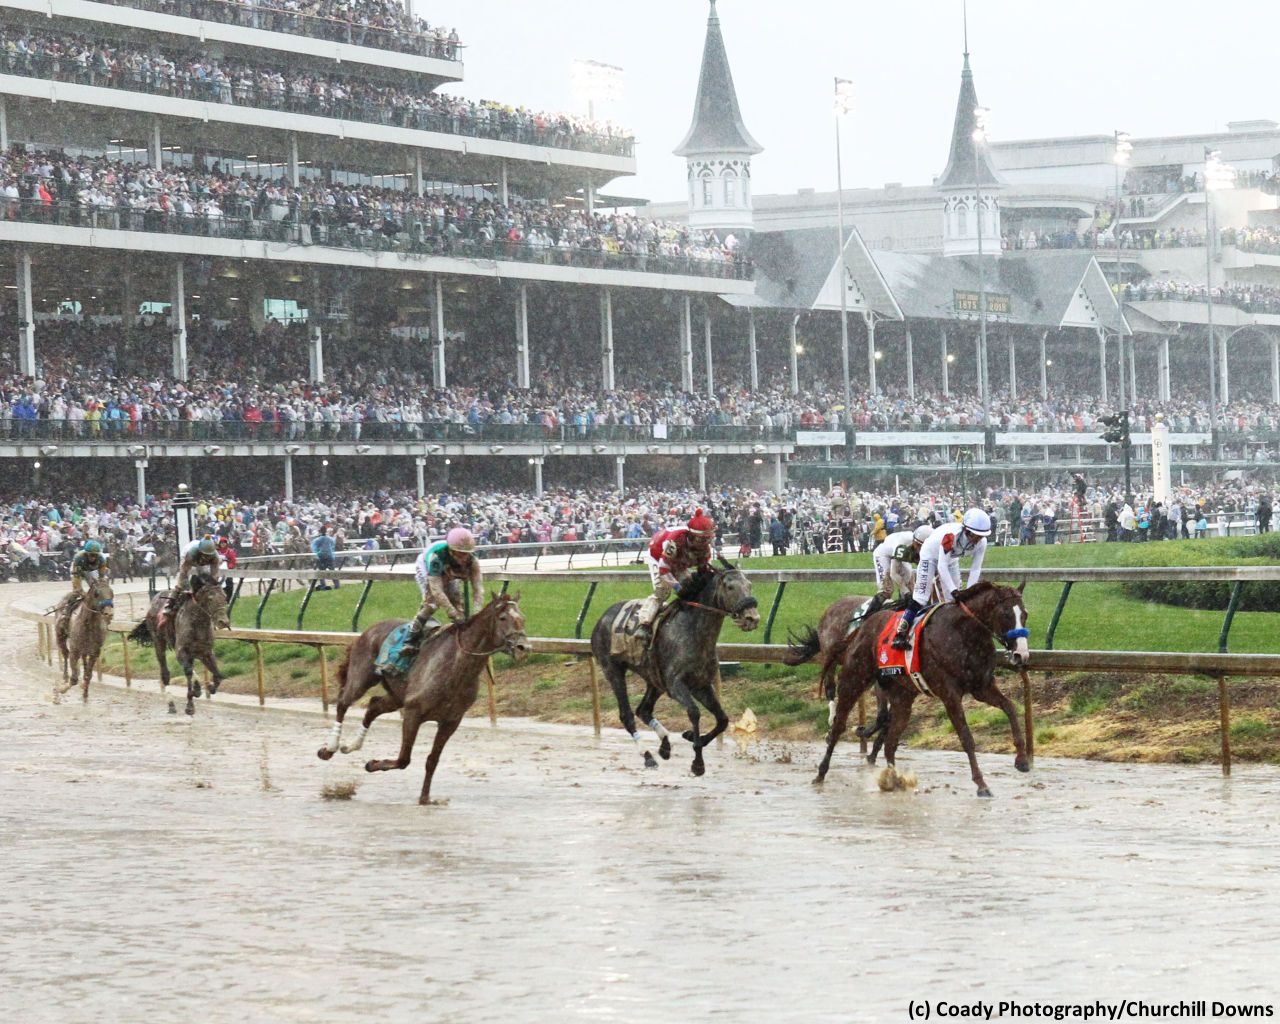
<point x="440" y="570"/>
<point x="90" y="563"/>
<point x="940" y="558"/>
<point x="894" y="558"/>
<point x="673" y="557"/>
<point x="200" y="558"/>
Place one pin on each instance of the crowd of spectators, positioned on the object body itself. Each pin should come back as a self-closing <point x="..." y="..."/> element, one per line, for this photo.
<point x="65" y="56"/>
<point x="1252" y="298"/>
<point x="106" y="193"/>
<point x="384" y="24"/>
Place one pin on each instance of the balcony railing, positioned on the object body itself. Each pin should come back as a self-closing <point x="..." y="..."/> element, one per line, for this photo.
<point x="15" y="429"/>
<point x="417" y="235"/>
<point x="338" y="30"/>
<point x="499" y="124"/>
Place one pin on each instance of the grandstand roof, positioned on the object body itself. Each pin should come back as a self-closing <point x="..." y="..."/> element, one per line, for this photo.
<point x="961" y="171"/>
<point x="717" y="122"/>
<point x="800" y="269"/>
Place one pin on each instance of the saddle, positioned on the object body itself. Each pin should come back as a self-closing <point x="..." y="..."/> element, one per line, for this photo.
<point x="165" y="621"/>
<point x="629" y="639"/>
<point x="397" y="654"/>
<point x="892" y="662"/>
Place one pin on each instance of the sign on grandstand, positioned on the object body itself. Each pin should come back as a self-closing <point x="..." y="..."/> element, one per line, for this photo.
<point x="819" y="438"/>
<point x="967" y="302"/>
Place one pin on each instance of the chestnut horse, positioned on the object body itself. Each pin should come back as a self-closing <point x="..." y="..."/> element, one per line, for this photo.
<point x="956" y="658"/>
<point x="81" y="634"/>
<point x="440" y="687"/>
<point x="190" y="632"/>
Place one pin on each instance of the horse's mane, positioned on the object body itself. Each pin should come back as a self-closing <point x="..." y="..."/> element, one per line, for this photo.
<point x="977" y="590"/>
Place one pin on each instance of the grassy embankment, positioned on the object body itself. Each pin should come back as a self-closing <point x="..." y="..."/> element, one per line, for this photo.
<point x="1091" y="715"/>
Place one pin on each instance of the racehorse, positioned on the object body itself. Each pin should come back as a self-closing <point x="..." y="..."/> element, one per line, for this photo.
<point x="81" y="634"/>
<point x="681" y="662"/>
<point x="190" y="633"/>
<point x="441" y="686"/>
<point x="956" y="658"/>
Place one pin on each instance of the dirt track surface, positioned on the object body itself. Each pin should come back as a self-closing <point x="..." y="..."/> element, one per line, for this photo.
<point x="163" y="869"/>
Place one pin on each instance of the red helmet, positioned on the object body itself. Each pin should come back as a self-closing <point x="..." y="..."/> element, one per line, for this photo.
<point x="702" y="527"/>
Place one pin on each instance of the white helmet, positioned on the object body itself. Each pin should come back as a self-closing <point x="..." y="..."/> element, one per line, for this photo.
<point x="977" y="522"/>
<point x="922" y="533"/>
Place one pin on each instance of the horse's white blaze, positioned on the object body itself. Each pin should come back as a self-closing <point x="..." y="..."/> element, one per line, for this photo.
<point x="335" y="736"/>
<point x="356" y="743"/>
<point x="659" y="728"/>
<point x="1024" y="651"/>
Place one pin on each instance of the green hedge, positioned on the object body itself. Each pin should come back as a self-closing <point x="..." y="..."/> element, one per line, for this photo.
<point x="1258" y="597"/>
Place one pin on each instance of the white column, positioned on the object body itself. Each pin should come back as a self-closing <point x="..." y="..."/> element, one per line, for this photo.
<point x="438" y="375"/>
<point x="288" y="478"/>
<point x="590" y="193"/>
<point x="870" y="320"/>
<point x="1122" y="389"/>
<point x="1224" y="387"/>
<point x="706" y="335"/>
<point x="1165" y="389"/>
<point x="4" y="125"/>
<point x="1102" y="365"/>
<point x="178" y="321"/>
<point x="1044" y="366"/>
<point x="606" y="339"/>
<point x="156" y="152"/>
<point x="702" y="474"/>
<point x="141" y="466"/>
<point x="505" y="189"/>
<point x="795" y="359"/>
<point x="1133" y="374"/>
<point x="26" y="317"/>
<point x="751" y="349"/>
<point x="620" y="461"/>
<point x="1275" y="366"/>
<point x="421" y="464"/>
<point x="946" y="366"/>
<point x="911" y="366"/>
<point x="522" y="338"/>
<point x="316" y="353"/>
<point x="419" y="186"/>
<point x="779" y="474"/>
<point x="1013" y="369"/>
<point x="537" y="477"/>
<point x="294" y="176"/>
<point x="686" y="347"/>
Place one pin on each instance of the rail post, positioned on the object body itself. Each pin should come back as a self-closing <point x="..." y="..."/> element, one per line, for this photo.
<point x="1057" y="615"/>
<point x="128" y="668"/>
<point x="266" y="596"/>
<point x="51" y="642"/>
<point x="1224" y="724"/>
<point x="364" y="596"/>
<point x="40" y="640"/>
<point x="595" y="696"/>
<point x="235" y="596"/>
<point x="491" y="684"/>
<point x="324" y="678"/>
<point x="262" y="675"/>
<point x="773" y="611"/>
<point x="306" y="600"/>
<point x="1028" y="717"/>
<point x="1232" y="605"/>
<point x="582" y="615"/>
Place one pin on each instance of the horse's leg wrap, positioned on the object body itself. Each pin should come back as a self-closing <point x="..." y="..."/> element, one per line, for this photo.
<point x="658" y="728"/>
<point x="358" y="742"/>
<point x="335" y="737"/>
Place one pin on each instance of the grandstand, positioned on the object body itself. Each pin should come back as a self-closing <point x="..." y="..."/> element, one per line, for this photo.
<point x="239" y="232"/>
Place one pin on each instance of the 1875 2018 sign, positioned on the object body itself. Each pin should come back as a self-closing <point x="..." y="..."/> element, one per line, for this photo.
<point x="967" y="302"/>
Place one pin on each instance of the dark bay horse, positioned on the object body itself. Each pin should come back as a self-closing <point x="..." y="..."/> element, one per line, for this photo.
<point x="441" y="686"/>
<point x="957" y="657"/>
<point x="82" y="633"/>
<point x="189" y="633"/>
<point x="686" y="663"/>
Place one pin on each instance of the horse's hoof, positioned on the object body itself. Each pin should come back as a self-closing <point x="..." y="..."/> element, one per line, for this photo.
<point x="1022" y="765"/>
<point x="324" y="753"/>
<point x="818" y="780"/>
<point x="984" y="792"/>
<point x="371" y="766"/>
<point x="664" y="749"/>
<point x="687" y="735"/>
<point x="191" y="709"/>
<point x="173" y="708"/>
<point x="215" y="686"/>
<point x="195" y="690"/>
<point x="698" y="768"/>
<point x="871" y="759"/>
<point x="649" y="762"/>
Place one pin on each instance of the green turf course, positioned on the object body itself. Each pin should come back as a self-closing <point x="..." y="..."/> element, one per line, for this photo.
<point x="1098" y="616"/>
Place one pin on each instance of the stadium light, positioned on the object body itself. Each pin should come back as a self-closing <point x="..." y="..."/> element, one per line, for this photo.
<point x="704" y="448"/>
<point x="433" y="449"/>
<point x="759" y="449"/>
<point x="555" y="449"/>
<point x="362" y="449"/>
<point x="497" y="449"/>
<point x="292" y="449"/>
<point x="653" y="449"/>
<point x="212" y="449"/>
<point x="48" y="449"/>
<point x="599" y="449"/>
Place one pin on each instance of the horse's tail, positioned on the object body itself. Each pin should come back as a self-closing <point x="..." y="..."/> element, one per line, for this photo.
<point x="801" y="649"/>
<point x="141" y="634"/>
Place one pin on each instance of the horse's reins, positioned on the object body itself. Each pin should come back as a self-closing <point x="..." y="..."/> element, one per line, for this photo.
<point x="1008" y="639"/>
<point x="457" y="636"/>
<point x="744" y="605"/>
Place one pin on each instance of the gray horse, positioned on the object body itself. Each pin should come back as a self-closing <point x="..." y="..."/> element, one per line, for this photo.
<point x="190" y="633"/>
<point x="81" y="634"/>
<point x="681" y="663"/>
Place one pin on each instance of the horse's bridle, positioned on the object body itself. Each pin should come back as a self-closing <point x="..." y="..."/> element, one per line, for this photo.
<point x="746" y="604"/>
<point x="505" y="646"/>
<point x="1008" y="640"/>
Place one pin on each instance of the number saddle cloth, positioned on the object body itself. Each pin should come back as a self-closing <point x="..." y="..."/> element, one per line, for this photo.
<point x="392" y="656"/>
<point x="628" y="639"/>
<point x="892" y="662"/>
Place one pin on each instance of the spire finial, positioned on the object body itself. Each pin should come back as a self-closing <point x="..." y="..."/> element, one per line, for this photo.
<point x="965" y="12"/>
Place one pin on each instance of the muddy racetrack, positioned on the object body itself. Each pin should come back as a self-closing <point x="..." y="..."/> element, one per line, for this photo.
<point x="161" y="869"/>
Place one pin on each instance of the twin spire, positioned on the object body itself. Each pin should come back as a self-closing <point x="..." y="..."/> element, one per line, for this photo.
<point x="717" y="122"/>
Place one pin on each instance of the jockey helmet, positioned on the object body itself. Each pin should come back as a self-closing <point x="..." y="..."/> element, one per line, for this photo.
<point x="460" y="539"/>
<point x="702" y="526"/>
<point x="922" y="533"/>
<point x="207" y="546"/>
<point x="977" y="522"/>
<point x="92" y="547"/>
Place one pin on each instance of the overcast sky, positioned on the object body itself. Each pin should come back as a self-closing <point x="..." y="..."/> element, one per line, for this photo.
<point x="1043" y="67"/>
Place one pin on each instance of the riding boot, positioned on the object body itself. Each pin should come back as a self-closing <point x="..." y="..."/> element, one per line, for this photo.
<point x="902" y="638"/>
<point x="413" y="642"/>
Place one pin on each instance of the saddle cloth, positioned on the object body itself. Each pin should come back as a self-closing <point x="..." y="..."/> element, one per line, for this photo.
<point x="628" y="639"/>
<point x="892" y="662"/>
<point x="855" y="620"/>
<point x="392" y="656"/>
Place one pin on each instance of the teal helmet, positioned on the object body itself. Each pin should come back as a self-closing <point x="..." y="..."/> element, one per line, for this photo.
<point x="92" y="547"/>
<point x="207" y="546"/>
